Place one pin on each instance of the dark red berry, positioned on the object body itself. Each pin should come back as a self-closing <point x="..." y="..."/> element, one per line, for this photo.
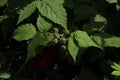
<point x="46" y="57"/>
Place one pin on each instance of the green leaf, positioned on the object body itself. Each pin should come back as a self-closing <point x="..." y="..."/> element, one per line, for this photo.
<point x="97" y="24"/>
<point x="24" y="32"/>
<point x="115" y="66"/>
<point x="53" y="10"/>
<point x="43" y="24"/>
<point x="116" y="73"/>
<point x="93" y="27"/>
<point x="106" y="40"/>
<point x="84" y="40"/>
<point x="111" y="1"/>
<point x="79" y="42"/>
<point x="72" y="48"/>
<point x="5" y="75"/>
<point x="27" y="11"/>
<point x="3" y="2"/>
<point x="40" y="39"/>
<point x="99" y="18"/>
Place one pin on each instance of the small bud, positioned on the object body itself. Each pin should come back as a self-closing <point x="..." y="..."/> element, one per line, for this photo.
<point x="67" y="31"/>
<point x="56" y="30"/>
<point x="64" y="47"/>
<point x="56" y="35"/>
<point x="55" y="40"/>
<point x="63" y="40"/>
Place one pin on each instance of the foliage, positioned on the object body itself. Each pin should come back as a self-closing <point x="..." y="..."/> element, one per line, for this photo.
<point x="84" y="32"/>
<point x="116" y="66"/>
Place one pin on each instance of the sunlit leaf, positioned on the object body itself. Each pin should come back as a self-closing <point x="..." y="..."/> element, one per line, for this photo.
<point x="43" y="24"/>
<point x="5" y="75"/>
<point x="116" y="73"/>
<point x="99" y="18"/>
<point x="84" y="40"/>
<point x="115" y="66"/>
<point x="53" y="10"/>
<point x="27" y="11"/>
<point x="72" y="48"/>
<point x="106" y="40"/>
<point x="24" y="32"/>
<point x="112" y="1"/>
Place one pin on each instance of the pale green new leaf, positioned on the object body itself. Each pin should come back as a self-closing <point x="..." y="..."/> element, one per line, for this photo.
<point x="115" y="66"/>
<point x="83" y="39"/>
<point x="112" y="1"/>
<point x="3" y="2"/>
<point x="27" y="11"/>
<point x="99" y="18"/>
<point x="24" y="32"/>
<point x="72" y="48"/>
<point x="40" y="39"/>
<point x="42" y="24"/>
<point x="106" y="40"/>
<point x="53" y="10"/>
<point x="5" y="75"/>
<point x="116" y="73"/>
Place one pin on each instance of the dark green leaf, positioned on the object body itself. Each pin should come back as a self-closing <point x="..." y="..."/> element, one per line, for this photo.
<point x="106" y="40"/>
<point x="97" y="24"/>
<point x="93" y="27"/>
<point x="83" y="11"/>
<point x="3" y="18"/>
<point x="3" y="2"/>
<point x="86" y="74"/>
<point x="70" y="4"/>
<point x="7" y="26"/>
